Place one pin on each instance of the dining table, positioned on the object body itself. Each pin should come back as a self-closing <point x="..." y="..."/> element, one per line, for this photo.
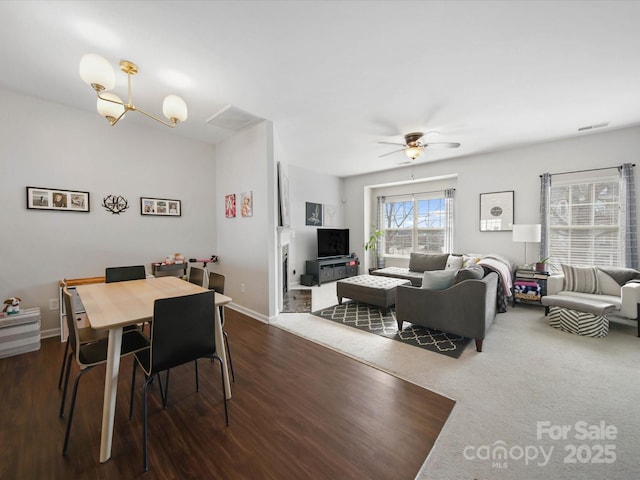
<point x="115" y="305"/>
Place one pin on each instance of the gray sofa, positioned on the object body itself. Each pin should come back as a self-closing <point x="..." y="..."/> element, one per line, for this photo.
<point x="418" y="264"/>
<point x="466" y="308"/>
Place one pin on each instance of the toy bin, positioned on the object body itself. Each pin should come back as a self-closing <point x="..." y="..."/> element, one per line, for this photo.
<point x="20" y="332"/>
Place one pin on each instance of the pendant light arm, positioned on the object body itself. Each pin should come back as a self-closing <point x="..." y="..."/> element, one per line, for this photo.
<point x="172" y="125"/>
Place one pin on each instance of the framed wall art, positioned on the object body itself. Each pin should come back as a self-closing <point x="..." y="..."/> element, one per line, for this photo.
<point x="283" y="197"/>
<point x="496" y="211"/>
<point x="230" y="205"/>
<point x="160" y="207"/>
<point x="313" y="214"/>
<point x="40" y="198"/>
<point x="246" y="204"/>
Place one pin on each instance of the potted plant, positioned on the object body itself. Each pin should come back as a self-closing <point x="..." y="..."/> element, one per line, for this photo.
<point x="540" y="265"/>
<point x="372" y="244"/>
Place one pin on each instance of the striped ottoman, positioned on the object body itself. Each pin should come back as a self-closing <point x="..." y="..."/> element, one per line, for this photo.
<point x="371" y="289"/>
<point x="579" y="316"/>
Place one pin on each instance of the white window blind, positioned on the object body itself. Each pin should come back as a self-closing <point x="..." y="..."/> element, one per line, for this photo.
<point x="584" y="221"/>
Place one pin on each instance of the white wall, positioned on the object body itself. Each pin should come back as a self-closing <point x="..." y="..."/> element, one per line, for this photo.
<point x="47" y="145"/>
<point x="517" y="169"/>
<point x="307" y="186"/>
<point x="246" y="244"/>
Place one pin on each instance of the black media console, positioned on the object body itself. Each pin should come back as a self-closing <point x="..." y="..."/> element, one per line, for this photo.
<point x="329" y="269"/>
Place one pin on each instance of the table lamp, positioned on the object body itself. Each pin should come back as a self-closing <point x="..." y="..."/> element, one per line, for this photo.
<point x="527" y="233"/>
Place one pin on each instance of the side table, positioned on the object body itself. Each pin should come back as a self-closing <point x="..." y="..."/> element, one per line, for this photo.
<point x="529" y="286"/>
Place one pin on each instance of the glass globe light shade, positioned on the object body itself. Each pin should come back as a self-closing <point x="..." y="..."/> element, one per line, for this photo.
<point x="95" y="69"/>
<point x="174" y="107"/>
<point x="110" y="109"/>
<point x="413" y="152"/>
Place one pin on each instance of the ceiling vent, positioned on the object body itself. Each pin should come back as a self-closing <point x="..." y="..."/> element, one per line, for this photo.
<point x="233" y="118"/>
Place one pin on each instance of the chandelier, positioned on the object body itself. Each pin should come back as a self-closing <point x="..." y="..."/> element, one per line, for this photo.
<point x="98" y="72"/>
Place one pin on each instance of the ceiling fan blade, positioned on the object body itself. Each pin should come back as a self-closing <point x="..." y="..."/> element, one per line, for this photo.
<point x="385" y="154"/>
<point x="442" y="145"/>
<point x="393" y="143"/>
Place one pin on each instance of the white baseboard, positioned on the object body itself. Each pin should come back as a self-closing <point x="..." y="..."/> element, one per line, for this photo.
<point x="50" y="332"/>
<point x="248" y="312"/>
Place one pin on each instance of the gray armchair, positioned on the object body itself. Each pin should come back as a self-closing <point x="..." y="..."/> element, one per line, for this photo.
<point x="467" y="308"/>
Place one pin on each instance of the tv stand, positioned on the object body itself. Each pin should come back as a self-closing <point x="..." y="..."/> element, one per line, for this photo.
<point x="330" y="269"/>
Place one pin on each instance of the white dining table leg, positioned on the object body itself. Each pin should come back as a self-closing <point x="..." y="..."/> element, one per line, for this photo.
<point x="222" y="353"/>
<point x="110" y="392"/>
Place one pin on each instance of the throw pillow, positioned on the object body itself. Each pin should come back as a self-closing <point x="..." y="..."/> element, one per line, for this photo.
<point x="474" y="272"/>
<point x="580" y="279"/>
<point x="438" y="279"/>
<point x="421" y="262"/>
<point x="607" y="284"/>
<point x="454" y="262"/>
<point x="469" y="260"/>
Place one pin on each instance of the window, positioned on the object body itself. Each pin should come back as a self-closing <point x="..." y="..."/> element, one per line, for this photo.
<point x="415" y="224"/>
<point x="584" y="221"/>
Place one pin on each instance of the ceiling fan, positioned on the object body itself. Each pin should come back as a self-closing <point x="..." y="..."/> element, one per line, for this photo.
<point x="413" y="147"/>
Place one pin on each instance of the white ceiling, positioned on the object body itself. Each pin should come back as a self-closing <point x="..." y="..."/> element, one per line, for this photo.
<point x="336" y="77"/>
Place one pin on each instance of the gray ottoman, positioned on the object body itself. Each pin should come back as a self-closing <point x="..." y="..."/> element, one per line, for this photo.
<point x="580" y="316"/>
<point x="374" y="290"/>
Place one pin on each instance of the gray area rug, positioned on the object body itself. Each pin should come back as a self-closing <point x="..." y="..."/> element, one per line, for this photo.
<point x="371" y="319"/>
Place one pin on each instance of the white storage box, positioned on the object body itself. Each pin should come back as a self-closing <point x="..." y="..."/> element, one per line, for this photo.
<point x="20" y="332"/>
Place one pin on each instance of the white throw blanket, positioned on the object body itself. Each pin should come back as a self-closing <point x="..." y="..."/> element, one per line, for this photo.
<point x="504" y="271"/>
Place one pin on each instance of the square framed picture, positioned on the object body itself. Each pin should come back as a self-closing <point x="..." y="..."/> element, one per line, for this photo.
<point x="163" y="207"/>
<point x="40" y="198"/>
<point x="230" y="205"/>
<point x="496" y="211"/>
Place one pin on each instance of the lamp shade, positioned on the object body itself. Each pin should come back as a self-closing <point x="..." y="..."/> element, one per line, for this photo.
<point x="527" y="233"/>
<point x="110" y="109"/>
<point x="95" y="69"/>
<point x="174" y="107"/>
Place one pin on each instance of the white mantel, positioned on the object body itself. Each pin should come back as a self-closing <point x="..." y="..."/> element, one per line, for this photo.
<point x="285" y="235"/>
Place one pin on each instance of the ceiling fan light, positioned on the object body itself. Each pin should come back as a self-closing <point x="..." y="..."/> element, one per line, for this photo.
<point x="110" y="110"/>
<point x="413" y="152"/>
<point x="96" y="70"/>
<point x="174" y="107"/>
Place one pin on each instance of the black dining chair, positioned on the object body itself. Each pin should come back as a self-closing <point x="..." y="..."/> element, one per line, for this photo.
<point x="123" y="274"/>
<point x="85" y="335"/>
<point x="216" y="283"/>
<point x="197" y="276"/>
<point x="89" y="355"/>
<point x="182" y="331"/>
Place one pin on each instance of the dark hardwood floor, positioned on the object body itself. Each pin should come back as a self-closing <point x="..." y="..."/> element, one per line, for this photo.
<point x="299" y="410"/>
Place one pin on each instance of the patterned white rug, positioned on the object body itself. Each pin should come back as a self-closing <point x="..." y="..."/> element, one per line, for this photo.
<point x="370" y="318"/>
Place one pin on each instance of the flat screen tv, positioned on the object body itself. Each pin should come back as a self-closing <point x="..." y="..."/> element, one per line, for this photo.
<point x="333" y="242"/>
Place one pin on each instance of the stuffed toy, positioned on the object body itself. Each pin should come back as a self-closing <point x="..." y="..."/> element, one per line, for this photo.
<point x="12" y="305"/>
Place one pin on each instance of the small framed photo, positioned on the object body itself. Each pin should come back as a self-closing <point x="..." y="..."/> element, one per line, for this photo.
<point x="313" y="213"/>
<point x="39" y="198"/>
<point x="246" y="204"/>
<point x="230" y="205"/>
<point x="160" y="207"/>
<point x="496" y="211"/>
